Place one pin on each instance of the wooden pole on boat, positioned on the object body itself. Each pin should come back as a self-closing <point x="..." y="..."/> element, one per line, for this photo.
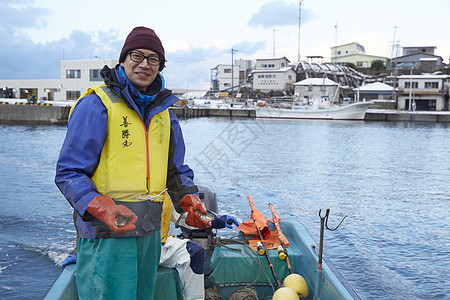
<point x="276" y="220"/>
<point x="254" y="213"/>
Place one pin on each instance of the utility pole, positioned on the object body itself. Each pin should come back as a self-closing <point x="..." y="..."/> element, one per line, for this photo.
<point x="232" y="71"/>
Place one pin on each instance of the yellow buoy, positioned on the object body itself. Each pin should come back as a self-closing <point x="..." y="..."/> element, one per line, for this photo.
<point x="297" y="283"/>
<point x="285" y="293"/>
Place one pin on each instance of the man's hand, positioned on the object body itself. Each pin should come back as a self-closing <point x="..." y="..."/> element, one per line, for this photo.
<point x="106" y="210"/>
<point x="193" y="205"/>
<point x="223" y="221"/>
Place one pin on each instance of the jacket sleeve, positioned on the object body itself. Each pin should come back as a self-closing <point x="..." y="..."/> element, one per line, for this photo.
<point x="80" y="151"/>
<point x="180" y="177"/>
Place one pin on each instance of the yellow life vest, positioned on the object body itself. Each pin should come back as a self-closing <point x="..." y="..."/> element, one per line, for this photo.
<point x="165" y="219"/>
<point x="133" y="162"/>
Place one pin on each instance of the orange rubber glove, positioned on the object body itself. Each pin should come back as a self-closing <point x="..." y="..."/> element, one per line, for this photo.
<point x="107" y="211"/>
<point x="193" y="205"/>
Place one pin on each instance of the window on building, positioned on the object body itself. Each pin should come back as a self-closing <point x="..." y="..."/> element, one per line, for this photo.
<point x="227" y="70"/>
<point x="283" y="65"/>
<point x="264" y="66"/>
<point x="94" y="75"/>
<point x="73" y="95"/>
<point x="290" y="77"/>
<point x="431" y="85"/>
<point x="359" y="63"/>
<point x="339" y="52"/>
<point x="415" y="85"/>
<point x="73" y="73"/>
<point x="271" y="65"/>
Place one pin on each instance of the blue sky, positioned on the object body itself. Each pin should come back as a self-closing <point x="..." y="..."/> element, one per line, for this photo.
<point x="199" y="34"/>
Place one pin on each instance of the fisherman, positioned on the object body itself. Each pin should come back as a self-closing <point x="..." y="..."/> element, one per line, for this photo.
<point x="122" y="158"/>
<point x="184" y="255"/>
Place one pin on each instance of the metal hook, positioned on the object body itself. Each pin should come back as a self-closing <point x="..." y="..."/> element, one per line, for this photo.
<point x="326" y="222"/>
<point x="323" y="224"/>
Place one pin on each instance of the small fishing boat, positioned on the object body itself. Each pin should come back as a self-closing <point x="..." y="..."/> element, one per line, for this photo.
<point x="316" y="98"/>
<point x="232" y="267"/>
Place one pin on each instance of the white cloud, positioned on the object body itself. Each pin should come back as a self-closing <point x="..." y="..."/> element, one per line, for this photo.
<point x="176" y="45"/>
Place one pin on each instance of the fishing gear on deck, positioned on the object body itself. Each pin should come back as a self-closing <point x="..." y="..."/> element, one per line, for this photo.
<point x="276" y="220"/>
<point x="282" y="253"/>
<point x="261" y="225"/>
<point x="293" y="281"/>
<point x="260" y="248"/>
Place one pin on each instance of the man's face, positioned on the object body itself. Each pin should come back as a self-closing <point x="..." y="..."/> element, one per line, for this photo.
<point x="140" y="74"/>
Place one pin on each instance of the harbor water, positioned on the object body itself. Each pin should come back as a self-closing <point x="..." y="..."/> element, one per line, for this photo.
<point x="390" y="179"/>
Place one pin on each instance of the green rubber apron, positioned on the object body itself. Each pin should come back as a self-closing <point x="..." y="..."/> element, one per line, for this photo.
<point x="118" y="268"/>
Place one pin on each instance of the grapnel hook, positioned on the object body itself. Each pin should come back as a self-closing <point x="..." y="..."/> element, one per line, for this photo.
<point x="323" y="224"/>
<point x="326" y="220"/>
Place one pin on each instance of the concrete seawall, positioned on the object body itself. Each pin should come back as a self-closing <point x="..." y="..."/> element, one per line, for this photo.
<point x="187" y="112"/>
<point x="407" y="116"/>
<point x="41" y="114"/>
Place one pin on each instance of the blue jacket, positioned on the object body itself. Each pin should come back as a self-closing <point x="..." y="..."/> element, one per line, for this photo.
<point x="86" y="133"/>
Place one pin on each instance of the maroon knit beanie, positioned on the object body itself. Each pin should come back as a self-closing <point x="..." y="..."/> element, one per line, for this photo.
<point x="143" y="38"/>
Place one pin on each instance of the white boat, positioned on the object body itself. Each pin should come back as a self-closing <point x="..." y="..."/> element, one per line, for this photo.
<point x="315" y="98"/>
<point x="208" y="103"/>
<point x="353" y="111"/>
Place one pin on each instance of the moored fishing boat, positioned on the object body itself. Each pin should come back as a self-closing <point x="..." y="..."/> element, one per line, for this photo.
<point x="232" y="267"/>
<point x="316" y="98"/>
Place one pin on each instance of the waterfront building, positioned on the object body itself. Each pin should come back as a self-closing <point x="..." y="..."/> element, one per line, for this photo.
<point x="356" y="54"/>
<point x="423" y="61"/>
<point x="374" y="91"/>
<point x="76" y="77"/>
<point x="423" y="92"/>
<point x="273" y="74"/>
<point x="313" y="88"/>
<point x="419" y="49"/>
<point x="224" y="77"/>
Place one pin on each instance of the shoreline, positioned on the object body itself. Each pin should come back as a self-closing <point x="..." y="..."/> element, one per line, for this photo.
<point x="58" y="115"/>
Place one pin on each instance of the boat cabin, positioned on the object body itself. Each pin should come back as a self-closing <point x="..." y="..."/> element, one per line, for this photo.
<point x="313" y="90"/>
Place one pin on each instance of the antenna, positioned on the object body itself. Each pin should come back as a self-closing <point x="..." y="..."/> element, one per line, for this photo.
<point x="336" y="35"/>
<point x="335" y="41"/>
<point x="395" y="67"/>
<point x="393" y="43"/>
<point x="299" y="24"/>
<point x="274" y="42"/>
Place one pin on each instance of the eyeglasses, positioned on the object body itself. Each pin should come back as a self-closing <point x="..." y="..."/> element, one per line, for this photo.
<point x="152" y="59"/>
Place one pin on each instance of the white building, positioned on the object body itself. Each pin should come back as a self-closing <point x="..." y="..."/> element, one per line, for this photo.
<point x="76" y="77"/>
<point x="273" y="74"/>
<point x="223" y="77"/>
<point x="272" y="63"/>
<point x="423" y="92"/>
<point x="273" y="80"/>
<point x="373" y="91"/>
<point x="313" y="88"/>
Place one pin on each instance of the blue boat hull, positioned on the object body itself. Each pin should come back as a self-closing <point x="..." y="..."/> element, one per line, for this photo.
<point x="322" y="284"/>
